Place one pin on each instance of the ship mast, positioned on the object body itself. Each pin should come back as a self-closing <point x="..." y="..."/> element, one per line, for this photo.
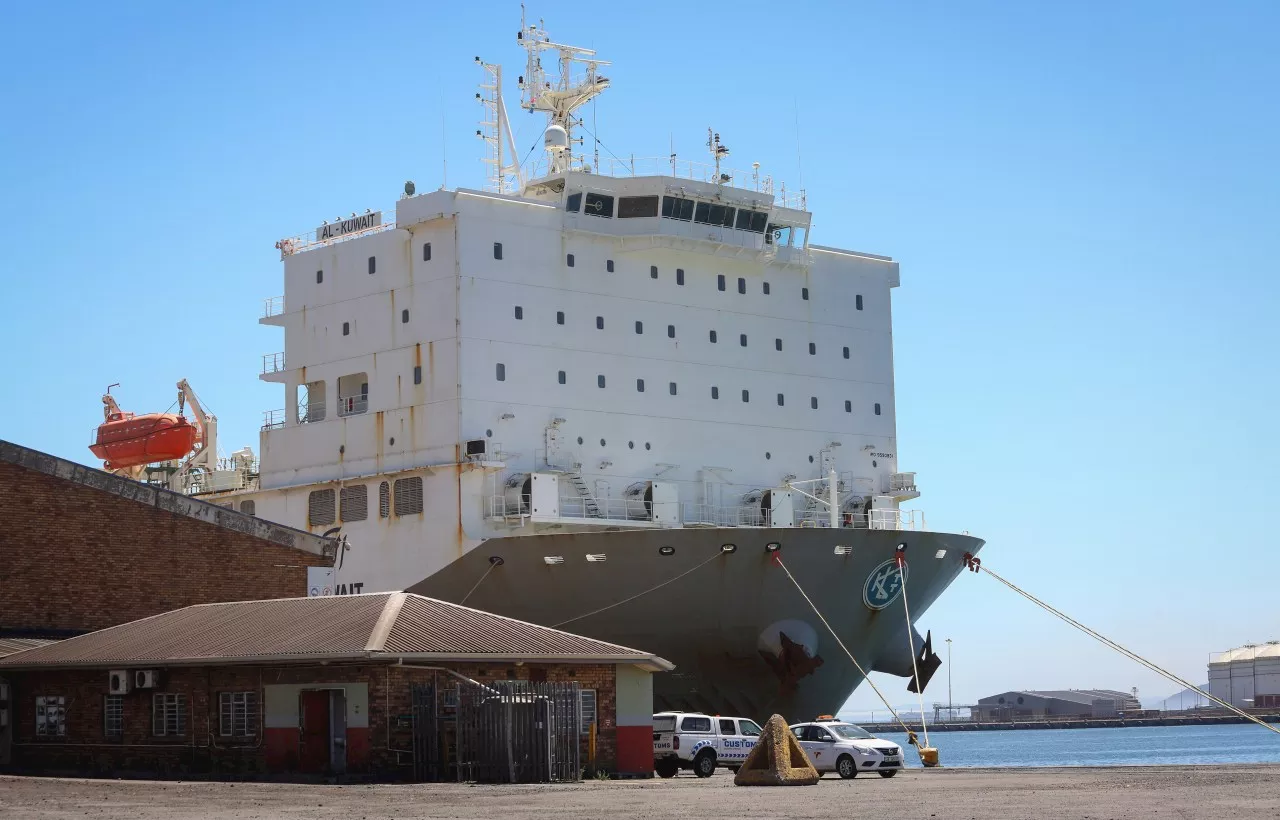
<point x="557" y="96"/>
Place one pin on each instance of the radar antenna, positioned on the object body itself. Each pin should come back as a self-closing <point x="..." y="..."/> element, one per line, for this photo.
<point x="718" y="151"/>
<point x="560" y="95"/>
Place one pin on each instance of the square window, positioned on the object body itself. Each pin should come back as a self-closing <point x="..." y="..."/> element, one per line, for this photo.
<point x="600" y="381"/>
<point x="713" y="337"/>
<point x="804" y="294"/>
<point x="742" y="285"/>
<point x="168" y="715"/>
<point x="519" y="312"/>
<point x="653" y="271"/>
<point x="501" y="372"/>
<point x="559" y="317"/>
<point x="346" y="328"/>
<point x="608" y="265"/>
<point x="766" y="288"/>
<point x="404" y="316"/>
<point x="720" y="282"/>
<point x="373" y="264"/>
<point x="846" y="352"/>
<point x="639" y="385"/>
<point x="497" y="250"/>
<point x="113" y="716"/>
<point x="679" y="276"/>
<point x="813" y="349"/>
<point x="319" y="276"/>
<point x="742" y="339"/>
<point x="599" y="205"/>
<point x="639" y="328"/>
<point x="573" y="202"/>
<point x="671" y="331"/>
<point x="877" y="408"/>
<point x="848" y="406"/>
<point x="781" y="400"/>
<point x="813" y="402"/>
<point x="857" y="301"/>
<point x="746" y="395"/>
<point x="568" y="260"/>
<point x="237" y="714"/>
<point x="672" y="388"/>
<point x="715" y="392"/>
<point x="777" y="344"/>
<point x="599" y="323"/>
<point x="426" y="252"/>
<point x="560" y="377"/>
<point x="417" y="374"/>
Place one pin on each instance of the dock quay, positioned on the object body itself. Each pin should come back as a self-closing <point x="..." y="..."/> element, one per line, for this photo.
<point x="1201" y="718"/>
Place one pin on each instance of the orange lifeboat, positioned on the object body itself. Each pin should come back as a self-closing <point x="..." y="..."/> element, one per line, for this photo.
<point x="126" y="440"/>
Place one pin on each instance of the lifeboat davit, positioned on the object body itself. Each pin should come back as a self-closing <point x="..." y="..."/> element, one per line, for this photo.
<point x="126" y="440"/>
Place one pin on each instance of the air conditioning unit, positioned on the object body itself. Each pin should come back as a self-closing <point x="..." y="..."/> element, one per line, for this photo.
<point x="118" y="682"/>
<point x="146" y="679"/>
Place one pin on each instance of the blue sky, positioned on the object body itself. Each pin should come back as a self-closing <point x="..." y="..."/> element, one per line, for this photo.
<point x="1083" y="197"/>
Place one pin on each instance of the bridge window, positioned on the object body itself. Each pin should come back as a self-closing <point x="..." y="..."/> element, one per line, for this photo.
<point x="599" y="205"/>
<point x="573" y="203"/>
<point x="707" y="213"/>
<point x="754" y="221"/>
<point x="674" y="207"/>
<point x="634" y="206"/>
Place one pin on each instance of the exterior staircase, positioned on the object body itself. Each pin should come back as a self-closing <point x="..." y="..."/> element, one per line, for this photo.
<point x="588" y="500"/>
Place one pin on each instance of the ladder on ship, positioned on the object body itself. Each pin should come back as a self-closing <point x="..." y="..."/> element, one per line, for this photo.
<point x="589" y="504"/>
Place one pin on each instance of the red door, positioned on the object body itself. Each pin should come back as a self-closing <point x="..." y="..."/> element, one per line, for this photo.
<point x="314" y="735"/>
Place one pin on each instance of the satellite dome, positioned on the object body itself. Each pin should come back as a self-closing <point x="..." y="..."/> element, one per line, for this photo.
<point x="555" y="138"/>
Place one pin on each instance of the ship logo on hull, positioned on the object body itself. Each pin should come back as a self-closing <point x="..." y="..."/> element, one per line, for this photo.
<point x="883" y="585"/>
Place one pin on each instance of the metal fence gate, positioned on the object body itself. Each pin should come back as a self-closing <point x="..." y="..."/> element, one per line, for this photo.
<point x="430" y="761"/>
<point x="519" y="732"/>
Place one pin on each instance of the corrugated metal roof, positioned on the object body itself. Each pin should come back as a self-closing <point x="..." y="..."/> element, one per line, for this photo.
<point x="377" y="626"/>
<point x="9" y="646"/>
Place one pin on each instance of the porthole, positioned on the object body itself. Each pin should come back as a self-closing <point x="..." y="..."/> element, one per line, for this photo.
<point x="404" y="316"/>
<point x="667" y="550"/>
<point x="810" y="459"/>
<point x="393" y="442"/>
<point x="631" y="445"/>
<point x="488" y="434"/>
<point x="746" y="395"/>
<point x="601" y="442"/>
<point x="579" y="439"/>
<point x="804" y="294"/>
<point x="768" y="455"/>
<point x="873" y="463"/>
<point x="647" y="446"/>
<point x="671" y="331"/>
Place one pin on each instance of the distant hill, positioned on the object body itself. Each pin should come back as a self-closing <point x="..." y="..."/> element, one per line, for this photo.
<point x="1186" y="699"/>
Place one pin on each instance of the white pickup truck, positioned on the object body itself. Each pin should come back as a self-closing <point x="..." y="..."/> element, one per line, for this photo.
<point x="691" y="740"/>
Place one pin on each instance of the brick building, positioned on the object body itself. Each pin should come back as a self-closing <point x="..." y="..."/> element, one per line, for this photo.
<point x="384" y="686"/>
<point x="81" y="549"/>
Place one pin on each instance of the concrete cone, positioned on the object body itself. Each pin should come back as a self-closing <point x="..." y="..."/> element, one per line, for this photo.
<point x="776" y="760"/>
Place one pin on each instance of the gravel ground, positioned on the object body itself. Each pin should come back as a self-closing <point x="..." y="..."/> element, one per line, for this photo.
<point x="972" y="794"/>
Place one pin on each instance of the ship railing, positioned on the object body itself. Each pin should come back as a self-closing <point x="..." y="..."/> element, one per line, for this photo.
<point x="273" y="362"/>
<point x="307" y="240"/>
<point x="273" y="419"/>
<point x="895" y="519"/>
<point x="311" y="411"/>
<point x="353" y="405"/>
<point x="902" y="482"/>
<point x="273" y="306"/>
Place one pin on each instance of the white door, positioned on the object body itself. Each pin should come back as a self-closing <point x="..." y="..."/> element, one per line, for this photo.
<point x="822" y="748"/>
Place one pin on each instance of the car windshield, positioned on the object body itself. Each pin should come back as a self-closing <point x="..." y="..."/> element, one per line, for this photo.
<point x="664" y="723"/>
<point x="850" y="732"/>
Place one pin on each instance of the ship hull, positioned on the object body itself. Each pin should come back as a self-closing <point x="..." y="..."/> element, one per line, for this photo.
<point x="742" y="637"/>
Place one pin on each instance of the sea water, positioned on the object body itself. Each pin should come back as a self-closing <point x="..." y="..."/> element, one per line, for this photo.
<point x="1136" y="746"/>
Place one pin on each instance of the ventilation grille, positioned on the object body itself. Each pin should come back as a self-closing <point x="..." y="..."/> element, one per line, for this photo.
<point x="384" y="500"/>
<point x="355" y="503"/>
<point x="320" y="508"/>
<point x="409" y="496"/>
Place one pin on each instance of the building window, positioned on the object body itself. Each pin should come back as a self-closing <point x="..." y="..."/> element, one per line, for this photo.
<point x="634" y="206"/>
<point x="51" y="716"/>
<point x="742" y="285"/>
<point x="384" y="500"/>
<point x="639" y="328"/>
<point x="168" y="714"/>
<point x="707" y="213"/>
<point x="674" y="207"/>
<point x="672" y="387"/>
<point x="857" y="301"/>
<point x="813" y="402"/>
<point x="587" y="700"/>
<point x="599" y="205"/>
<point x="804" y="294"/>
<point x="404" y="316"/>
<point x="671" y="331"/>
<point x="113" y="716"/>
<point x="742" y="339"/>
<point x="777" y="344"/>
<point x="560" y="377"/>
<point x="679" y="276"/>
<point x="426" y="252"/>
<point x="346" y="328"/>
<point x="813" y="349"/>
<point x="319" y="276"/>
<point x="877" y="408"/>
<point x="608" y="265"/>
<point x="573" y="203"/>
<point x="354" y="503"/>
<point x="599" y="323"/>
<point x="781" y="400"/>
<point x="417" y="374"/>
<point x="249" y="507"/>
<point x="713" y="337"/>
<point x="497" y="250"/>
<point x="373" y="264"/>
<point x="600" y="380"/>
<point x="848" y="406"/>
<point x="408" y="493"/>
<point x="746" y="395"/>
<point x="720" y="281"/>
<point x="568" y="260"/>
<point x="846" y="352"/>
<point x="715" y="392"/>
<point x="501" y="372"/>
<point x="559" y="317"/>
<point x="519" y="312"/>
<point x="320" y="508"/>
<point x="238" y="714"/>
<point x="639" y="385"/>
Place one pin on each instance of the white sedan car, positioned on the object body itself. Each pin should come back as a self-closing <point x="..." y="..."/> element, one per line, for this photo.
<point x="836" y="746"/>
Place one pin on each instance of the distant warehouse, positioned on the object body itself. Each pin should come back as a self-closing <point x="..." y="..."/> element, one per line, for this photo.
<point x="1247" y="677"/>
<point x="1077" y="703"/>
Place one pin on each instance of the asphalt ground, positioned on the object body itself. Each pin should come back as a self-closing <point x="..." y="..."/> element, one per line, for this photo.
<point x="1242" y="791"/>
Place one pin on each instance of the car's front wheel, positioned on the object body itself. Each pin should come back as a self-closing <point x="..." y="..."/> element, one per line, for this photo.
<point x="705" y="764"/>
<point x="888" y="772"/>
<point x="846" y="768"/>
<point x="666" y="768"/>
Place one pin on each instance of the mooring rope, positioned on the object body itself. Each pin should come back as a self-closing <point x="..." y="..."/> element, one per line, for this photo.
<point x="639" y="594"/>
<point x="777" y="559"/>
<point x="911" y="642"/>
<point x="492" y="564"/>
<point x="978" y="567"/>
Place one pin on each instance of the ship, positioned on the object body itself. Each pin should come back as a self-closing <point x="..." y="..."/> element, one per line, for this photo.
<point x="630" y="399"/>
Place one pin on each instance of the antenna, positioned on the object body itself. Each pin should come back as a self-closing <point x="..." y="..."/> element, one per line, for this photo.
<point x="804" y="204"/>
<point x="495" y="129"/>
<point x="718" y="151"/>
